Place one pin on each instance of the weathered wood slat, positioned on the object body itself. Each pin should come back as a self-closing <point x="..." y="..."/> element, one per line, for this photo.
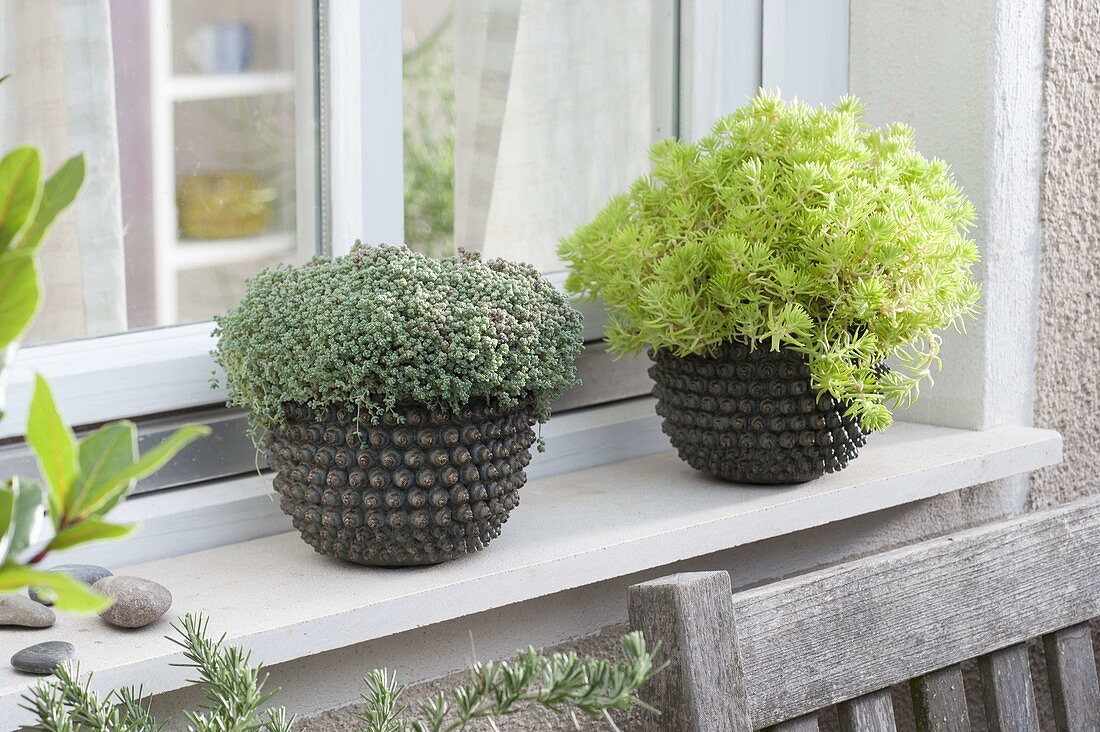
<point x="864" y="625"/>
<point x="939" y="701"/>
<point x="702" y="689"/>
<point x="872" y="712"/>
<point x="807" y="723"/>
<point x="1007" y="690"/>
<point x="1071" y="670"/>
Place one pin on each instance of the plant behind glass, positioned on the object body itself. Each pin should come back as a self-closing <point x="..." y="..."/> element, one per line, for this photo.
<point x="429" y="142"/>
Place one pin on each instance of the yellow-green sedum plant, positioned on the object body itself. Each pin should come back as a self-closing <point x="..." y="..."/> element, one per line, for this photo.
<point x="789" y="227"/>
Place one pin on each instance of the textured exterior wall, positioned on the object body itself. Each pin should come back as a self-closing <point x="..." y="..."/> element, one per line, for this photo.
<point x="1067" y="379"/>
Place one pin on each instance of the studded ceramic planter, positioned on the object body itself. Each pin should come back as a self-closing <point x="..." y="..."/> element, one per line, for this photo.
<point x="751" y="417"/>
<point x="421" y="489"/>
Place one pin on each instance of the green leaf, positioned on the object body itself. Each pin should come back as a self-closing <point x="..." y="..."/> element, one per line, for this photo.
<point x="54" y="445"/>
<point x="89" y="529"/>
<point x="103" y="455"/>
<point x="57" y="194"/>
<point x="121" y="483"/>
<point x="72" y="595"/>
<point x="20" y="188"/>
<point x="19" y="297"/>
<point x="27" y="515"/>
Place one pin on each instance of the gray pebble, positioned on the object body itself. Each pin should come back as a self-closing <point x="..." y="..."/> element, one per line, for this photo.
<point x="18" y="610"/>
<point x="138" y="601"/>
<point x="89" y="574"/>
<point x="43" y="658"/>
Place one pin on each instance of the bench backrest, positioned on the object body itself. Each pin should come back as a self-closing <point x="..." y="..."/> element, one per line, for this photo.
<point x="776" y="654"/>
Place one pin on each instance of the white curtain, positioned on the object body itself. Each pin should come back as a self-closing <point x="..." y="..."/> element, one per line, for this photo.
<point x="555" y="114"/>
<point x="60" y="98"/>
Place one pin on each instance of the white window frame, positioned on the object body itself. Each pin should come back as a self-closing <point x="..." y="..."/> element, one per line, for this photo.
<point x="114" y="377"/>
<point x="365" y="155"/>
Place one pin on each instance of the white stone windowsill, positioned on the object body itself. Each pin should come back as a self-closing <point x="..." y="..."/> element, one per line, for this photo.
<point x="283" y="601"/>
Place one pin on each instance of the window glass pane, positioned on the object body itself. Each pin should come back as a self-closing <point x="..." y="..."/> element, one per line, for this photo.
<point x="196" y="121"/>
<point x="523" y="117"/>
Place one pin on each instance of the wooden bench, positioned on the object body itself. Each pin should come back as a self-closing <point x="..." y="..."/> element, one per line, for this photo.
<point x="775" y="655"/>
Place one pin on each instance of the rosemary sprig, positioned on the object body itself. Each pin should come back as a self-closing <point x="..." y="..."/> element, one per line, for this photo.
<point x="557" y="682"/>
<point x="233" y="688"/>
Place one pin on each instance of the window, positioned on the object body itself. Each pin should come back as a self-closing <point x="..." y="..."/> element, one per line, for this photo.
<point x="517" y="120"/>
<point x="198" y="122"/>
<point x="550" y="109"/>
<point x="226" y="135"/>
<point x="189" y="118"/>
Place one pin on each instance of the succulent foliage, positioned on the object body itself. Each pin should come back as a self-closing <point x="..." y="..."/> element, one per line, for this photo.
<point x="384" y="326"/>
<point x="789" y="227"/>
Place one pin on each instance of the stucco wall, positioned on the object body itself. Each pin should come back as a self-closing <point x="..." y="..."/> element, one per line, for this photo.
<point x="1067" y="388"/>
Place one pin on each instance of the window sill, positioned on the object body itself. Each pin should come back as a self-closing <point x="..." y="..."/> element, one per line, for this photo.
<point x="276" y="596"/>
<point x="119" y="376"/>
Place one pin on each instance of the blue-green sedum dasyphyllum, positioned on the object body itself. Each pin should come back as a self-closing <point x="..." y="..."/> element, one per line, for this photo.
<point x="385" y="326"/>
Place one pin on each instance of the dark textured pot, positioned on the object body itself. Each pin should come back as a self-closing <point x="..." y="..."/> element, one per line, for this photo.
<point x="419" y="489"/>
<point x="751" y="417"/>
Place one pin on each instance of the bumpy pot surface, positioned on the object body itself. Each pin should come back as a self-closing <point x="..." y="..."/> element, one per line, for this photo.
<point x="751" y="416"/>
<point x="421" y="487"/>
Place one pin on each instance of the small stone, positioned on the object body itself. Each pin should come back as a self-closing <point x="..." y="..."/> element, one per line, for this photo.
<point x="137" y="601"/>
<point x="18" y="610"/>
<point x="43" y="658"/>
<point x="89" y="574"/>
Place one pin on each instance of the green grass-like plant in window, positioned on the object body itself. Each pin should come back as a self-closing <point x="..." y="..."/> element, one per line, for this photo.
<point x="429" y="137"/>
<point x="789" y="227"/>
